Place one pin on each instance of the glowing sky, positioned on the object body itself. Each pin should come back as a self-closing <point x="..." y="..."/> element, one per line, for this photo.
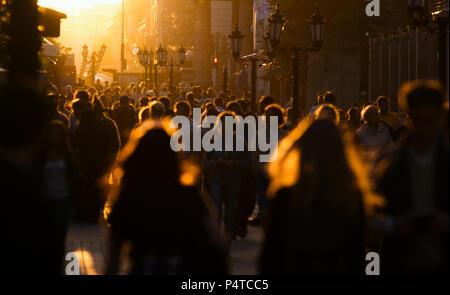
<point x="72" y="6"/>
<point x="87" y="22"/>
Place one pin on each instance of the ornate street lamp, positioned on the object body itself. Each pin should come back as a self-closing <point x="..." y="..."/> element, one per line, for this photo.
<point x="145" y="58"/>
<point x="277" y="22"/>
<point x="236" y="38"/>
<point x="181" y="59"/>
<point x="182" y="55"/>
<point x="417" y="13"/>
<point x="269" y="48"/>
<point x="161" y="55"/>
<point x="150" y="57"/>
<point x="440" y="16"/>
<point x="142" y="55"/>
<point x="150" y="64"/>
<point x="317" y="24"/>
<point x="416" y="4"/>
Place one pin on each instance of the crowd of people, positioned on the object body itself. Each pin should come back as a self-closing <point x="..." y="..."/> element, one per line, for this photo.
<point x="345" y="182"/>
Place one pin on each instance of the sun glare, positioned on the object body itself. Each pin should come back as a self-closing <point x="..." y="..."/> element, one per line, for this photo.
<point x="73" y="6"/>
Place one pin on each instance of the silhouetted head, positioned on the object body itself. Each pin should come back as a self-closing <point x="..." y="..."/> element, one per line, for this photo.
<point x="144" y="114"/>
<point x="148" y="160"/>
<point x="354" y="115"/>
<point x="275" y="110"/>
<point x="235" y="107"/>
<point x="124" y="100"/>
<point x="190" y="97"/>
<point x="182" y="108"/>
<point x="219" y="102"/>
<point x="382" y="103"/>
<point x="222" y="119"/>
<point x="144" y="101"/>
<point x="97" y="106"/>
<point x="329" y="98"/>
<point x="264" y="102"/>
<point x="423" y="100"/>
<point x="313" y="162"/>
<point x="327" y="112"/>
<point x="244" y="103"/>
<point x="371" y="116"/>
<point x="82" y="95"/>
<point x="157" y="110"/>
<point x="210" y="92"/>
<point x="165" y="101"/>
<point x="79" y="106"/>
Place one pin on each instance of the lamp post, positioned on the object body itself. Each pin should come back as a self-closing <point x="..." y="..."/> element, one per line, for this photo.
<point x="225" y="80"/>
<point x="277" y="23"/>
<point x="150" y="63"/>
<point x="181" y="59"/>
<point x="440" y="16"/>
<point x="403" y="39"/>
<point x="146" y="60"/>
<point x="161" y="58"/>
<point x="420" y="17"/>
<point x="251" y="60"/>
<point x="317" y="26"/>
<point x="162" y="55"/>
<point x="417" y="18"/>
<point x="417" y="13"/>
<point x="143" y="56"/>
<point x="236" y="38"/>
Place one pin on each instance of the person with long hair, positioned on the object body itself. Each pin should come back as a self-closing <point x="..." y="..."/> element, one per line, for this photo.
<point x="166" y="223"/>
<point x="58" y="176"/>
<point x="316" y="217"/>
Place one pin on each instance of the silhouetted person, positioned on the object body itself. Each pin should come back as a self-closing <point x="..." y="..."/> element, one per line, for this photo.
<point x="219" y="104"/>
<point x="373" y="135"/>
<point x="125" y="117"/>
<point x="143" y="102"/>
<point x="290" y="118"/>
<point x="157" y="110"/>
<point x="391" y="119"/>
<point x="166" y="224"/>
<point x="167" y="106"/>
<point x="93" y="145"/>
<point x="316" y="214"/>
<point x="53" y="112"/>
<point x="29" y="234"/>
<point x="264" y="102"/>
<point x="329" y="97"/>
<point x="353" y="119"/>
<point x="233" y="106"/>
<point x="59" y="178"/>
<point x="413" y="178"/>
<point x="183" y="108"/>
<point x="224" y="173"/>
<point x="319" y="101"/>
<point x="112" y="131"/>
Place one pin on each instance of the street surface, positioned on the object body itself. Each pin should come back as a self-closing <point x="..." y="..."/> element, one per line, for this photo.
<point x="89" y="243"/>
